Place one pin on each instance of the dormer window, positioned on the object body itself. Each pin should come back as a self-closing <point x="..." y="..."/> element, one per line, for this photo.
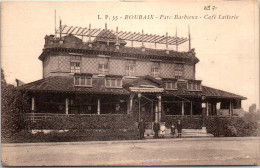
<point x="155" y="69"/>
<point x="170" y="84"/>
<point x="178" y="71"/>
<point x="194" y="86"/>
<point x="113" y="82"/>
<point x="83" y="80"/>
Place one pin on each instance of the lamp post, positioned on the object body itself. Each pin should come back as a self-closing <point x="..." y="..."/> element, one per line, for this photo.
<point x="139" y="98"/>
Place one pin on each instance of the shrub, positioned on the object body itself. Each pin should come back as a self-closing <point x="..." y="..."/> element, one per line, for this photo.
<point x="13" y="106"/>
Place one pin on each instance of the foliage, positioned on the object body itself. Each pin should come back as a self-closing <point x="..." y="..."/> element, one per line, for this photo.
<point x="188" y="122"/>
<point x="79" y="122"/>
<point x="13" y="106"/>
<point x="220" y="125"/>
<point x="75" y="135"/>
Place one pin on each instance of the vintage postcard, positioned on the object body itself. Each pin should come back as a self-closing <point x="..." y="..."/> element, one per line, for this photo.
<point x="130" y="83"/>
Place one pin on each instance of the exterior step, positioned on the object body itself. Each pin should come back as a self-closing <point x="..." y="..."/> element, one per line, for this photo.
<point x="149" y="133"/>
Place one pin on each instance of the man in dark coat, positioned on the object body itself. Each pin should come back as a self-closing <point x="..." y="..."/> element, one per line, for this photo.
<point x="156" y="128"/>
<point x="141" y="127"/>
<point x="179" y="128"/>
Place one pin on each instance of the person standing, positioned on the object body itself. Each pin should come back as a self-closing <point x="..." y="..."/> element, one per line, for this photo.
<point x="173" y="129"/>
<point x="179" y="128"/>
<point x="141" y="127"/>
<point x="156" y="128"/>
<point x="162" y="129"/>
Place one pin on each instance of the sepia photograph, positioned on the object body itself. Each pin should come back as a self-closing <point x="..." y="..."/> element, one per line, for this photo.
<point x="130" y="83"/>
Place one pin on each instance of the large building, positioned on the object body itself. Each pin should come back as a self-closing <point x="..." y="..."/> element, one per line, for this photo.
<point x="108" y="75"/>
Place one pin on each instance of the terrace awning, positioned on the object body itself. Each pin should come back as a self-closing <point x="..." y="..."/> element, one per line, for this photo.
<point x="146" y="90"/>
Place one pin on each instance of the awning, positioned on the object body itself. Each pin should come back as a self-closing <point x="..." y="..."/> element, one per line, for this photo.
<point x="146" y="90"/>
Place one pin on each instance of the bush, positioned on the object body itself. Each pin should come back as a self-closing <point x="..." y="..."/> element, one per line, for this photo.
<point x="13" y="106"/>
<point x="231" y="126"/>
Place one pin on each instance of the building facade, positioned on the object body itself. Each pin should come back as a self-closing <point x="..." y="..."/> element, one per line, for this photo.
<point x="105" y="76"/>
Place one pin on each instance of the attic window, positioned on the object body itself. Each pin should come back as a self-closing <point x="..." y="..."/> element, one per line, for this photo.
<point x="170" y="85"/>
<point x="83" y="81"/>
<point x="193" y="86"/>
<point x="113" y="82"/>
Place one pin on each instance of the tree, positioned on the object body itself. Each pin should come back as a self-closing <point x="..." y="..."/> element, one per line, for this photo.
<point x="13" y="106"/>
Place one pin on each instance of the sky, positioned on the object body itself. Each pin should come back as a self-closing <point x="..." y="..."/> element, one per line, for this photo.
<point x="227" y="48"/>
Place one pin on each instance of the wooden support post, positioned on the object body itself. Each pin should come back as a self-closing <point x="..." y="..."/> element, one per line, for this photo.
<point x="167" y="51"/>
<point x="60" y="30"/>
<point x="142" y="38"/>
<point x="207" y="109"/>
<point x="156" y="112"/>
<point x="182" y="108"/>
<point x="189" y="38"/>
<point x="139" y="110"/>
<point x="231" y="108"/>
<point x="131" y="103"/>
<point x="128" y="106"/>
<point x="159" y="108"/>
<point x="191" y="108"/>
<point x="33" y="104"/>
<point x="98" y="106"/>
<point x="33" y="108"/>
<point x="67" y="106"/>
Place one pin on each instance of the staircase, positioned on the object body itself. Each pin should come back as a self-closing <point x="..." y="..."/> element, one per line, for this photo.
<point x="186" y="133"/>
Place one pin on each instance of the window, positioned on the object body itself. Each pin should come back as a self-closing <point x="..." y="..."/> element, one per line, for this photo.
<point x="155" y="71"/>
<point x="75" y="64"/>
<point x="83" y="81"/>
<point x="103" y="65"/>
<point x="76" y="81"/>
<point x="74" y="67"/>
<point x="130" y="67"/>
<point x="170" y="85"/>
<point x="178" y="72"/>
<point x="194" y="86"/>
<point x="113" y="82"/>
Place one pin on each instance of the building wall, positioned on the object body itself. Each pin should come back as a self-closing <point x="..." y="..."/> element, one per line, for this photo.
<point x="117" y="67"/>
<point x="143" y="68"/>
<point x="89" y="65"/>
<point x="189" y="72"/>
<point x="64" y="63"/>
<point x="167" y="70"/>
<point x="57" y="64"/>
<point x="46" y="66"/>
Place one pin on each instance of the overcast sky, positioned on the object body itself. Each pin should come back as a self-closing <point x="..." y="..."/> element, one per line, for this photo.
<point x="227" y="49"/>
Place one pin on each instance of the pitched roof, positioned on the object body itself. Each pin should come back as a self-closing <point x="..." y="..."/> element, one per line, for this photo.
<point x="141" y="80"/>
<point x="66" y="84"/>
<point x="207" y="91"/>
